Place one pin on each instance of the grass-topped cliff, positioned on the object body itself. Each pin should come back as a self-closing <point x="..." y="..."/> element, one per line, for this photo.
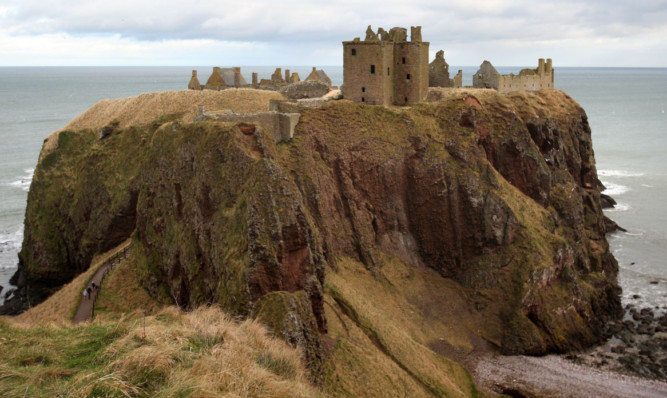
<point x="385" y="243"/>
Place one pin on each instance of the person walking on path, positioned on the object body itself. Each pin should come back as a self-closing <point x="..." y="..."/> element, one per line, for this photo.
<point x="85" y="294"/>
<point x="89" y="290"/>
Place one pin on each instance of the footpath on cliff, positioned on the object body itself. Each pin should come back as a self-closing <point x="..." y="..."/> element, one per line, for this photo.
<point x="84" y="312"/>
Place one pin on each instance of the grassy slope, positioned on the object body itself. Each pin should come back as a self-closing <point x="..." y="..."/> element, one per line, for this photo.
<point x="382" y="329"/>
<point x="171" y="354"/>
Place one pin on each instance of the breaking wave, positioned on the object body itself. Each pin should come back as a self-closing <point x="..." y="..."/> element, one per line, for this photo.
<point x="619" y="207"/>
<point x="614" y="189"/>
<point x="619" y="173"/>
<point x="10" y="244"/>
<point x="23" y="182"/>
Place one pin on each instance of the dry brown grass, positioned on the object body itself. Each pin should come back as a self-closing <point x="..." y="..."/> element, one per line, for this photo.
<point x="222" y="357"/>
<point x="61" y="305"/>
<point x="147" y="107"/>
<point x="204" y="353"/>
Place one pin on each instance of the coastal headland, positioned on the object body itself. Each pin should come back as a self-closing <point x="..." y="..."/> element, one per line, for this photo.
<point x="387" y="244"/>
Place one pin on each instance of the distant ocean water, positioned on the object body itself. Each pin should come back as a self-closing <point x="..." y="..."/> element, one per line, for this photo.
<point x="626" y="110"/>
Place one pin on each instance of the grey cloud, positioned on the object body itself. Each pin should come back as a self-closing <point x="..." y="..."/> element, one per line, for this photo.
<point x="462" y="21"/>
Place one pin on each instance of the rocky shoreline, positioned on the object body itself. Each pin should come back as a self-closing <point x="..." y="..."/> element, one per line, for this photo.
<point x="637" y="345"/>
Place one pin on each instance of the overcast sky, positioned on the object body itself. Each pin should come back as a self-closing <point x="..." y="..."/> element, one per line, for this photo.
<point x="300" y="32"/>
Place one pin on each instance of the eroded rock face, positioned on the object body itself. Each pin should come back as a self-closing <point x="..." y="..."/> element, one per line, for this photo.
<point x="290" y="316"/>
<point x="219" y="221"/>
<point x="429" y="186"/>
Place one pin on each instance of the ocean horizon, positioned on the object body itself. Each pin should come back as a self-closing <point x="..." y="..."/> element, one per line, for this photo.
<point x="625" y="107"/>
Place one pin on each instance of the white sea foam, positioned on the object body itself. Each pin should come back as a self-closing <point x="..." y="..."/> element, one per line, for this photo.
<point x="619" y="207"/>
<point x="619" y="173"/>
<point x="10" y="244"/>
<point x="614" y="189"/>
<point x="23" y="182"/>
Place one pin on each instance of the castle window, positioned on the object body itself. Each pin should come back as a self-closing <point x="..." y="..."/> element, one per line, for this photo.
<point x="363" y="99"/>
<point x="372" y="69"/>
<point x="404" y="60"/>
<point x="406" y="100"/>
<point x="354" y="51"/>
<point x="408" y="76"/>
<point x="387" y="71"/>
<point x="363" y="89"/>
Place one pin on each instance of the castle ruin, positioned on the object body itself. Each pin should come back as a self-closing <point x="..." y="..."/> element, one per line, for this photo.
<point x="385" y="68"/>
<point x="527" y="80"/>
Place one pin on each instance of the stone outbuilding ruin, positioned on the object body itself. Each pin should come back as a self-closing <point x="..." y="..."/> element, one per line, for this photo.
<point x="438" y="73"/>
<point x="385" y="68"/>
<point x="486" y="76"/>
<point x="318" y="75"/>
<point x="527" y="80"/>
<point x="224" y="77"/>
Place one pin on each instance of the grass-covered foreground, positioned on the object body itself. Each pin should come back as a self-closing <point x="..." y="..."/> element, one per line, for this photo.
<point x="170" y="354"/>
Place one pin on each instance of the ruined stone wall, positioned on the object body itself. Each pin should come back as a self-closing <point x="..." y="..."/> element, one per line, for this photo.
<point x="509" y="83"/>
<point x="365" y="71"/>
<point x="458" y="79"/>
<point x="528" y="79"/>
<point x="279" y="125"/>
<point x="486" y="77"/>
<point x="438" y="72"/>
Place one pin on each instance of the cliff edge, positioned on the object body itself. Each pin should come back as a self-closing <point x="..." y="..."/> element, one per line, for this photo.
<point x="428" y="232"/>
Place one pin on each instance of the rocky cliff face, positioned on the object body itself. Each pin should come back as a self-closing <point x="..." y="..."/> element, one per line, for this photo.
<point x="498" y="194"/>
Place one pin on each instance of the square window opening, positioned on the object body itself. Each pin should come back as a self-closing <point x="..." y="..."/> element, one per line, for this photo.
<point x="363" y="89"/>
<point x="404" y="60"/>
<point x="363" y="99"/>
<point x="408" y="76"/>
<point x="372" y="69"/>
<point x="354" y="51"/>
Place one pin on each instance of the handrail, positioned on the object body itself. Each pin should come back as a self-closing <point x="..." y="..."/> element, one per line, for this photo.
<point x="113" y="261"/>
<point x="83" y="312"/>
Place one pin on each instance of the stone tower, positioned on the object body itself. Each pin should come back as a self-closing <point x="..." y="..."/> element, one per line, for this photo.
<point x="385" y="68"/>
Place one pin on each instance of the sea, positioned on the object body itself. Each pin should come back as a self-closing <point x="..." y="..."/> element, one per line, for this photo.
<point x="626" y="109"/>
